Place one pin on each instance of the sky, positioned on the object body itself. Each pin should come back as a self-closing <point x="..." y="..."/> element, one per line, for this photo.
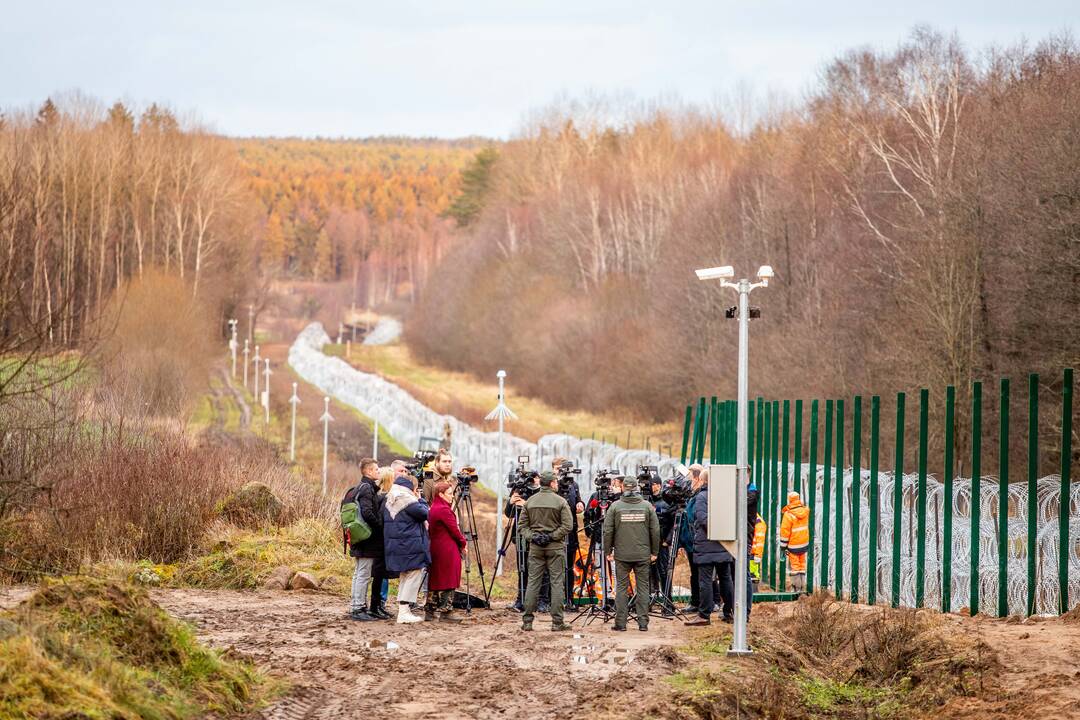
<point x="451" y="68"/>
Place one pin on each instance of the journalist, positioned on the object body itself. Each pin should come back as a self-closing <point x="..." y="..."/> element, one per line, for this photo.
<point x="711" y="559"/>
<point x="545" y="523"/>
<point x="632" y="537"/>
<point x="570" y="492"/>
<point x="515" y="504"/>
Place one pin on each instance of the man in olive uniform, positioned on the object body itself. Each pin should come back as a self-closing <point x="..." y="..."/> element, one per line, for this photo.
<point x="632" y="535"/>
<point x="545" y="523"/>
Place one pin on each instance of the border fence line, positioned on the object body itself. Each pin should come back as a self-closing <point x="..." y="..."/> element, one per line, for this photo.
<point x="906" y="535"/>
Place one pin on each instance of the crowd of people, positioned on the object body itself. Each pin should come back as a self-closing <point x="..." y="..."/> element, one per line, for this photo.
<point x="413" y="534"/>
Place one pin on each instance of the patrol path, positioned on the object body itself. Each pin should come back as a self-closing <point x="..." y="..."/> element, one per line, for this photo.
<point x="486" y="668"/>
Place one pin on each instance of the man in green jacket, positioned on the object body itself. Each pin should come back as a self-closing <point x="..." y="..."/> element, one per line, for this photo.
<point x="632" y="535"/>
<point x="545" y="523"/>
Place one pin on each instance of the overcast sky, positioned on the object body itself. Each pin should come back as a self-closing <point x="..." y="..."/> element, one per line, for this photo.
<point x="451" y="68"/>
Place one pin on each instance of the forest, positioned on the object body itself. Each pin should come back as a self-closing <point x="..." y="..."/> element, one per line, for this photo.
<point x="921" y="209"/>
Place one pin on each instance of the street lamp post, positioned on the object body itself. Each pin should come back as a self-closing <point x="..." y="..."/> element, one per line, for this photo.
<point x="326" y="420"/>
<point x="502" y="413"/>
<point x="266" y="390"/>
<point x="247" y="351"/>
<point x="294" y="401"/>
<point x="257" y="359"/>
<point x="743" y="287"/>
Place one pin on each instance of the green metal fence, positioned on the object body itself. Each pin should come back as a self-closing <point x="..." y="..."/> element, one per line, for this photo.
<point x="918" y="541"/>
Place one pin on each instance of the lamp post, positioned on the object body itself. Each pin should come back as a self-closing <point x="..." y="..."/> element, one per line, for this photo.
<point x="266" y="389"/>
<point x="247" y="351"/>
<point x="502" y="413"/>
<point x="294" y="401"/>
<point x="233" y="345"/>
<point x="257" y="359"/>
<point x="743" y="287"/>
<point x="326" y="420"/>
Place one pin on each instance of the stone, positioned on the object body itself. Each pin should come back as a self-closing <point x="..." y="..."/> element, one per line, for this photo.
<point x="279" y="578"/>
<point x="146" y="576"/>
<point x="303" y="581"/>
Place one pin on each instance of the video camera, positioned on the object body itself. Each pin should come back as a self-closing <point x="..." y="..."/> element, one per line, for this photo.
<point x="566" y="473"/>
<point x="417" y="465"/>
<point x="677" y="490"/>
<point x="466" y="476"/>
<point x="604" y="479"/>
<point x="522" y="481"/>
<point x="646" y="476"/>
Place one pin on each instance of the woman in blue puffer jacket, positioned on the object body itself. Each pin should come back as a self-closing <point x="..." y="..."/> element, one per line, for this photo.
<point x="405" y="539"/>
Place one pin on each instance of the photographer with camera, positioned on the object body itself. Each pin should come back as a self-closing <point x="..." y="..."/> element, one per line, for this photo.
<point x="571" y="493"/>
<point x="665" y="516"/>
<point x="632" y="536"/>
<point x="545" y="523"/>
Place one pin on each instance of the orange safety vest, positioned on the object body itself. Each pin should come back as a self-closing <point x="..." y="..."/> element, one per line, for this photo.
<point x="795" y="529"/>
<point x="760" y="529"/>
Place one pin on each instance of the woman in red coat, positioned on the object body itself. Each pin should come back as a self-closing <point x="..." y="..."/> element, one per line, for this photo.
<point x="447" y="544"/>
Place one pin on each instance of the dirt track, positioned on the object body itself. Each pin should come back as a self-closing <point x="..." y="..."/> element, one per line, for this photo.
<point x="485" y="669"/>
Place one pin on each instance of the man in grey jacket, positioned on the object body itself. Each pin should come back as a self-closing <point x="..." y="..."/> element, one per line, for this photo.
<point x="632" y="535"/>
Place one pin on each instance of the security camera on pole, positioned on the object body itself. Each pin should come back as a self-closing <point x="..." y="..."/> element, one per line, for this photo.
<point x="294" y="401"/>
<point x="247" y="352"/>
<point x="266" y="390"/>
<point x="326" y="420"/>
<point x="233" y="345"/>
<point x="743" y="312"/>
<point x="501" y="413"/>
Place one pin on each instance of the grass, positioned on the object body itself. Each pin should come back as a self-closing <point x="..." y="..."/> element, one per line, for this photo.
<point x="827" y="695"/>
<point x="470" y="400"/>
<point x="82" y="648"/>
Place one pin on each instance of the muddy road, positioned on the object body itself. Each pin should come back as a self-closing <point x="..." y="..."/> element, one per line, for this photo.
<point x="481" y="668"/>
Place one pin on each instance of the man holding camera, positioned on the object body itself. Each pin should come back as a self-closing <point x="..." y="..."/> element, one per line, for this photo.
<point x="545" y="523"/>
<point x="569" y="490"/>
<point x="632" y="535"/>
<point x="514" y="506"/>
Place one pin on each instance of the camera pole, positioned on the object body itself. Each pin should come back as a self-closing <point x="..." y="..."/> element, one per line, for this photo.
<point x="743" y="287"/>
<point x="501" y="413"/>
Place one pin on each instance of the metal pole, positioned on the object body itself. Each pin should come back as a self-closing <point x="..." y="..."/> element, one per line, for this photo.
<point x="267" y="389"/>
<point x="1033" y="487"/>
<point x="257" y="358"/>
<point x="856" y="494"/>
<point x="826" y="495"/>
<point x="247" y="352"/>
<point x="502" y="413"/>
<point x="1003" y="500"/>
<point x="920" y="507"/>
<point x="234" y="344"/>
<point x="294" y="401"/>
<point x="947" y="524"/>
<point x="875" y="502"/>
<point x="326" y="419"/>
<point x="838" y="591"/>
<point x="1064" y="499"/>
<point x="685" y="434"/>
<point x="251" y="324"/>
<point x="739" y="644"/>
<point x="898" y="496"/>
<point x="976" y="493"/>
<point x="811" y="482"/>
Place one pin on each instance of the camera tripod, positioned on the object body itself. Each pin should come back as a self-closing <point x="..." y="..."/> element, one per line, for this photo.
<point x="512" y="535"/>
<point x="463" y="508"/>
<point x="601" y="608"/>
<point x="662" y="596"/>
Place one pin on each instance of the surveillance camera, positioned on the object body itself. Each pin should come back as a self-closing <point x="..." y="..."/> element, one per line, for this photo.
<point x="724" y="271"/>
<point x="765" y="272"/>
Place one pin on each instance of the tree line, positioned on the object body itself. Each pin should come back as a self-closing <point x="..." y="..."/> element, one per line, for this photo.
<point x="921" y="209"/>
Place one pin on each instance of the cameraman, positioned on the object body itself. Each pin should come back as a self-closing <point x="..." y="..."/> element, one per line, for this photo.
<point x="593" y="513"/>
<point x="571" y="493"/>
<point x="665" y="516"/>
<point x="515" y="505"/>
<point x="632" y="536"/>
<point x="545" y="523"/>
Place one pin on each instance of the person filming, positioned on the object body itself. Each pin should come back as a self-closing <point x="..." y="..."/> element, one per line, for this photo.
<point x="632" y="536"/>
<point x="545" y="523"/>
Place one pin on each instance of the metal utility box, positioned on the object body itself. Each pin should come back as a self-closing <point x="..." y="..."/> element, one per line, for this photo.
<point x="722" y="505"/>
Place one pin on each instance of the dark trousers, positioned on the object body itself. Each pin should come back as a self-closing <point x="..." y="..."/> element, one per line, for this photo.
<point x="378" y="577"/>
<point x="641" y="591"/>
<point x="723" y="571"/>
<point x="695" y="597"/>
<point x="659" y="570"/>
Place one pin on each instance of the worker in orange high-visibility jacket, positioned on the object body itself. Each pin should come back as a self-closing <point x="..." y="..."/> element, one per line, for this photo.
<point x="795" y="539"/>
<point x="760" y="529"/>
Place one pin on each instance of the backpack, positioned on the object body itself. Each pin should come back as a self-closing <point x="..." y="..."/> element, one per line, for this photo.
<point x="353" y="526"/>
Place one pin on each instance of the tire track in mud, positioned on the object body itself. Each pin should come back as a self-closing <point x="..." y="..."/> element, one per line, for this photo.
<point x="482" y="668"/>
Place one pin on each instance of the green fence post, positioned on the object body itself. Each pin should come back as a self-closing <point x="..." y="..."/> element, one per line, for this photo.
<point x="798" y="448"/>
<point x="826" y="495"/>
<point x="898" y="497"/>
<point x="766" y="476"/>
<point x="875" y="509"/>
<point x="839" y="500"/>
<point x="698" y="416"/>
<point x="856" y="490"/>
<point x="976" y="493"/>
<point x="1033" y="486"/>
<point x="920" y="502"/>
<point x="1065" y="498"/>
<point x="713" y="425"/>
<point x="759" y="453"/>
<point x="1003" y="500"/>
<point x="811" y="481"/>
<point x="686" y="433"/>
<point x="774" y="492"/>
<point x="782" y="497"/>
<point x="947" y="500"/>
